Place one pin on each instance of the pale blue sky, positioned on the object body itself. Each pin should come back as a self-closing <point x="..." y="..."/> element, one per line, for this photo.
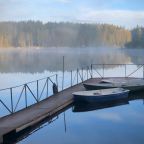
<point x="126" y="13"/>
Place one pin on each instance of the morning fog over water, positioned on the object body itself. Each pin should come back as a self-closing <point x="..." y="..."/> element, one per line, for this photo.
<point x="32" y="60"/>
<point x="18" y="66"/>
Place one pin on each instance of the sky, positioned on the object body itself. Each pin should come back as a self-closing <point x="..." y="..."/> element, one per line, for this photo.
<point x="125" y="13"/>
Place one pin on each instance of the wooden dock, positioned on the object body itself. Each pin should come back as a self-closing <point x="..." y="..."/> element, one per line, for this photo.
<point x="18" y="121"/>
<point x="35" y="113"/>
<point x="27" y="117"/>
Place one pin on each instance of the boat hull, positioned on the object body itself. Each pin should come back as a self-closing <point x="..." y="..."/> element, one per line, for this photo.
<point x="105" y="98"/>
<point x="107" y="86"/>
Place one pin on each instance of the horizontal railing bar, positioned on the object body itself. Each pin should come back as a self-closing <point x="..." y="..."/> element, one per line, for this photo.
<point x="27" y="83"/>
<point x="41" y="79"/>
<point x="118" y="64"/>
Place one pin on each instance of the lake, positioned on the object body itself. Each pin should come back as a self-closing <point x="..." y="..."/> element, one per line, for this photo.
<point x="121" y="124"/>
<point x="113" y="123"/>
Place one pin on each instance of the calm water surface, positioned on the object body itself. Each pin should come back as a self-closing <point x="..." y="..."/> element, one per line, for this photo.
<point x="119" y="124"/>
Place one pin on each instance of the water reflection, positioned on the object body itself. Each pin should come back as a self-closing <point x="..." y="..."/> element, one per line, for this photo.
<point x="103" y="116"/>
<point x="136" y="55"/>
<point x="30" y="130"/>
<point x="84" y="107"/>
<point x="39" y="60"/>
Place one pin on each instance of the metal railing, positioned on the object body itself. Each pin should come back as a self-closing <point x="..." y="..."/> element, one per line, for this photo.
<point x="80" y="75"/>
<point x="35" y="91"/>
<point x="124" y="73"/>
<point x="34" y="88"/>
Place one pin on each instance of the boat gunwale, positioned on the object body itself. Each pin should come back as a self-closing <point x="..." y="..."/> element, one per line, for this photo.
<point x="90" y="94"/>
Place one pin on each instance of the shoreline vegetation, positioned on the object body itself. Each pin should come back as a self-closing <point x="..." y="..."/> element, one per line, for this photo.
<point x="137" y="40"/>
<point x="35" y="34"/>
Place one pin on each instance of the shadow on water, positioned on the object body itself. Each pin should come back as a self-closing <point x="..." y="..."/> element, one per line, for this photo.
<point x="14" y="138"/>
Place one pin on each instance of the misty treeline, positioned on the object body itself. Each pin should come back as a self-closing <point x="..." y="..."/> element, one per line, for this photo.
<point x="137" y="38"/>
<point x="51" y="34"/>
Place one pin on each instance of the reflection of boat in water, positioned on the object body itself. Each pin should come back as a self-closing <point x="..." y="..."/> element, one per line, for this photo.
<point x="100" y="95"/>
<point x="130" y="84"/>
<point x="136" y="96"/>
<point x="83" y="107"/>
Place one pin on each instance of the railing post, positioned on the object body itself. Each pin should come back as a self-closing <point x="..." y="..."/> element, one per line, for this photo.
<point x="87" y="72"/>
<point x="91" y="71"/>
<point x="125" y="70"/>
<point x="82" y="75"/>
<point x="11" y="100"/>
<point x="37" y="90"/>
<point x="25" y="95"/>
<point x="63" y="73"/>
<point x="143" y="71"/>
<point x="57" y="80"/>
<point x="77" y="76"/>
<point x="47" y="86"/>
<point x="103" y="70"/>
<point x="71" y="78"/>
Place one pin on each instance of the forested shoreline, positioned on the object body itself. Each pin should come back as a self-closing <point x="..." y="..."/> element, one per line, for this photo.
<point x="51" y="34"/>
<point x="137" y="41"/>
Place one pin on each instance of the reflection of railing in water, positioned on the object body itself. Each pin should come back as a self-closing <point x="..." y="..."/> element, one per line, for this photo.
<point x="76" y="77"/>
